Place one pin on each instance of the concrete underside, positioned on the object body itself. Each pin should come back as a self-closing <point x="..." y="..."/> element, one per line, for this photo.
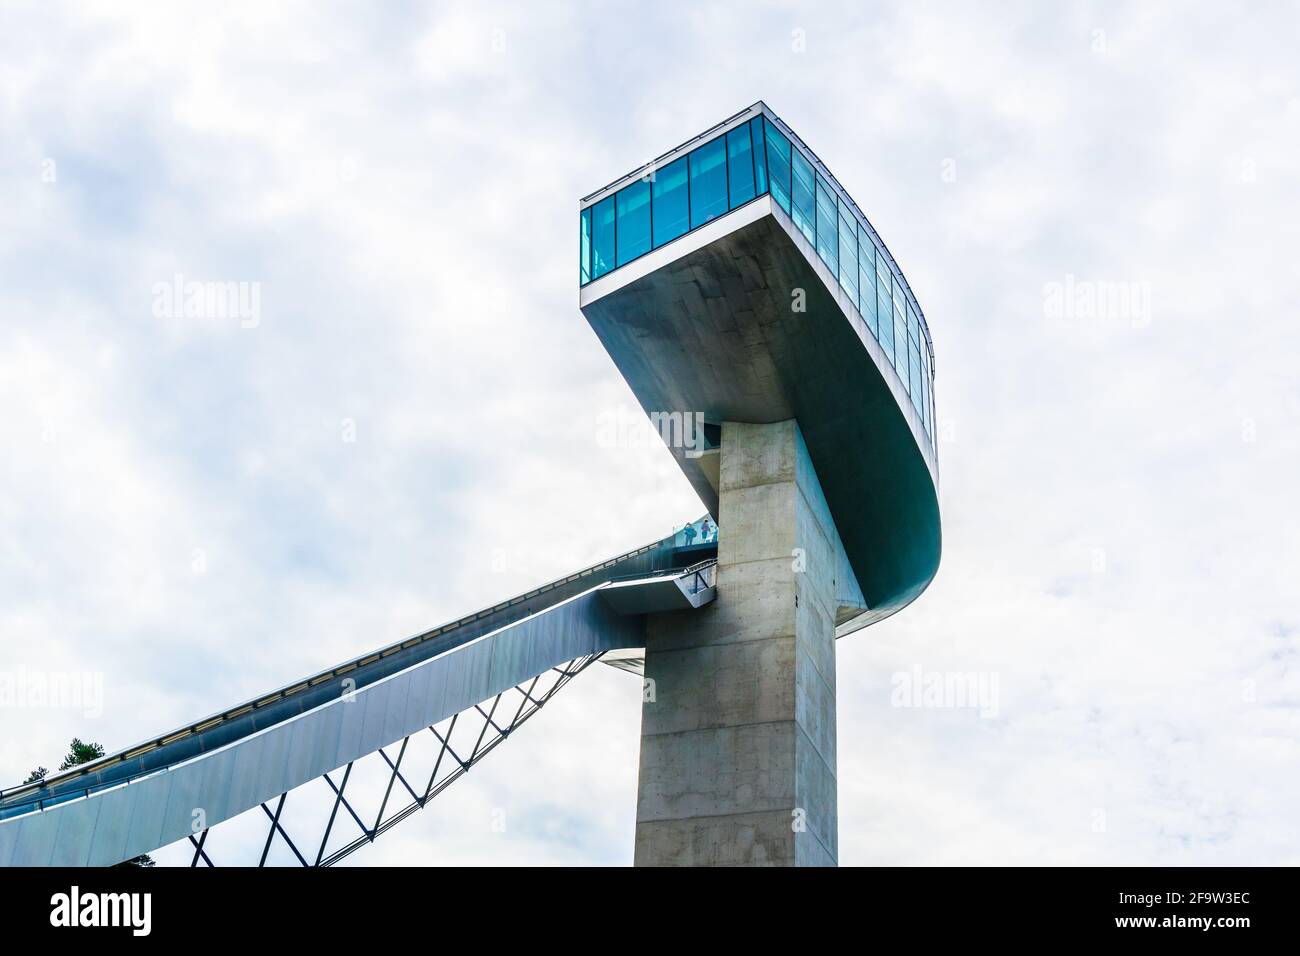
<point x="707" y="324"/>
<point x="738" y="726"/>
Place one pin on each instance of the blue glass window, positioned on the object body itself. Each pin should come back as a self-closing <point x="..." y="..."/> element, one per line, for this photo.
<point x="929" y="406"/>
<point x="887" y="333"/>
<point x="900" y="335"/>
<point x="827" y="229"/>
<point x="671" y="205"/>
<point x="885" y="305"/>
<point x="730" y="170"/>
<point x="584" y="248"/>
<point x="602" y="237"/>
<point x="740" y="167"/>
<point x="914" y="373"/>
<point x="916" y="360"/>
<point x="802" y="201"/>
<point x="849" y="253"/>
<point x="925" y="402"/>
<point x="708" y="182"/>
<point x="633" y="228"/>
<point x="778" y="165"/>
<point x="867" y="280"/>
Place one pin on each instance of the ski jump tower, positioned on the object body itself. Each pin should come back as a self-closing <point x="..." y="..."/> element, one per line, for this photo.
<point x="734" y="283"/>
<point x="733" y="278"/>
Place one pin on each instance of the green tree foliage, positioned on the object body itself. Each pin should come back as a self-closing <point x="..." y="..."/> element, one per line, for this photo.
<point x="79" y="753"/>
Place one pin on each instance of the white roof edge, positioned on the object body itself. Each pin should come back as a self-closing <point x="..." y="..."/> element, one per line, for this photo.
<point x="710" y="134"/>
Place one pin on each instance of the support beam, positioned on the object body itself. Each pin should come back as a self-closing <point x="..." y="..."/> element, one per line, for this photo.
<point x="738" y="725"/>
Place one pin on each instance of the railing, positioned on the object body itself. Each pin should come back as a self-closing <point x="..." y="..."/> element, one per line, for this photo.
<point x="666" y="572"/>
<point x="895" y="268"/>
<point x="705" y="576"/>
<point x="759" y="155"/>
<point x="655" y="163"/>
<point x="32" y="790"/>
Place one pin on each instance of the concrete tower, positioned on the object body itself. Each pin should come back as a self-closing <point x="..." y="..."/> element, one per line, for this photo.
<point x="735" y="283"/>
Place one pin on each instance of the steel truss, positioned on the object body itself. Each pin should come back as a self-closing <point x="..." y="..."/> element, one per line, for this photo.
<point x="449" y="767"/>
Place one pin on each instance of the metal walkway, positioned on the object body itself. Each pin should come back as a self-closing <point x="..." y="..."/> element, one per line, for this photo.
<point x="255" y="753"/>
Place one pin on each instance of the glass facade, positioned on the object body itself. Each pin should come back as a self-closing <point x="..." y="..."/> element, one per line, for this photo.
<point x="885" y="308"/>
<point x="848" y="248"/>
<point x="778" y="166"/>
<point x="803" y="201"/>
<point x="632" y="227"/>
<point x="602" y="237"/>
<point x="867" y="281"/>
<point x="900" y="337"/>
<point x="671" y="207"/>
<point x="584" y="248"/>
<point x="760" y="156"/>
<point x="755" y="158"/>
<point x="827" y="230"/>
<point x="708" y="182"/>
<point x="740" y="167"/>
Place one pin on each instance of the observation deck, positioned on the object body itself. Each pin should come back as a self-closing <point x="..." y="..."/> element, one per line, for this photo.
<point x="733" y="277"/>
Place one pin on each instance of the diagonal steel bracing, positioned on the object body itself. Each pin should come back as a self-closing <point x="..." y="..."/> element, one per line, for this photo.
<point x="399" y="802"/>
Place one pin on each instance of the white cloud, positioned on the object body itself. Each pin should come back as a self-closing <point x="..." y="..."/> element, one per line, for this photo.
<point x="405" y="191"/>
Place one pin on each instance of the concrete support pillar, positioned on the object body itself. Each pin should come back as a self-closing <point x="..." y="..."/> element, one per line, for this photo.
<point x="738" y="742"/>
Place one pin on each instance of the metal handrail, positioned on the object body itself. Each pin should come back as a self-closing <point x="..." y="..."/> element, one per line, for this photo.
<point x="706" y="576"/>
<point x="862" y="218"/>
<point x="654" y="163"/>
<point x="667" y="572"/>
<point x="288" y="690"/>
<point x="763" y="109"/>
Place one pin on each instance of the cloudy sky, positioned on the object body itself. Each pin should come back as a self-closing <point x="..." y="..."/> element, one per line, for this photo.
<point x="198" y="510"/>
